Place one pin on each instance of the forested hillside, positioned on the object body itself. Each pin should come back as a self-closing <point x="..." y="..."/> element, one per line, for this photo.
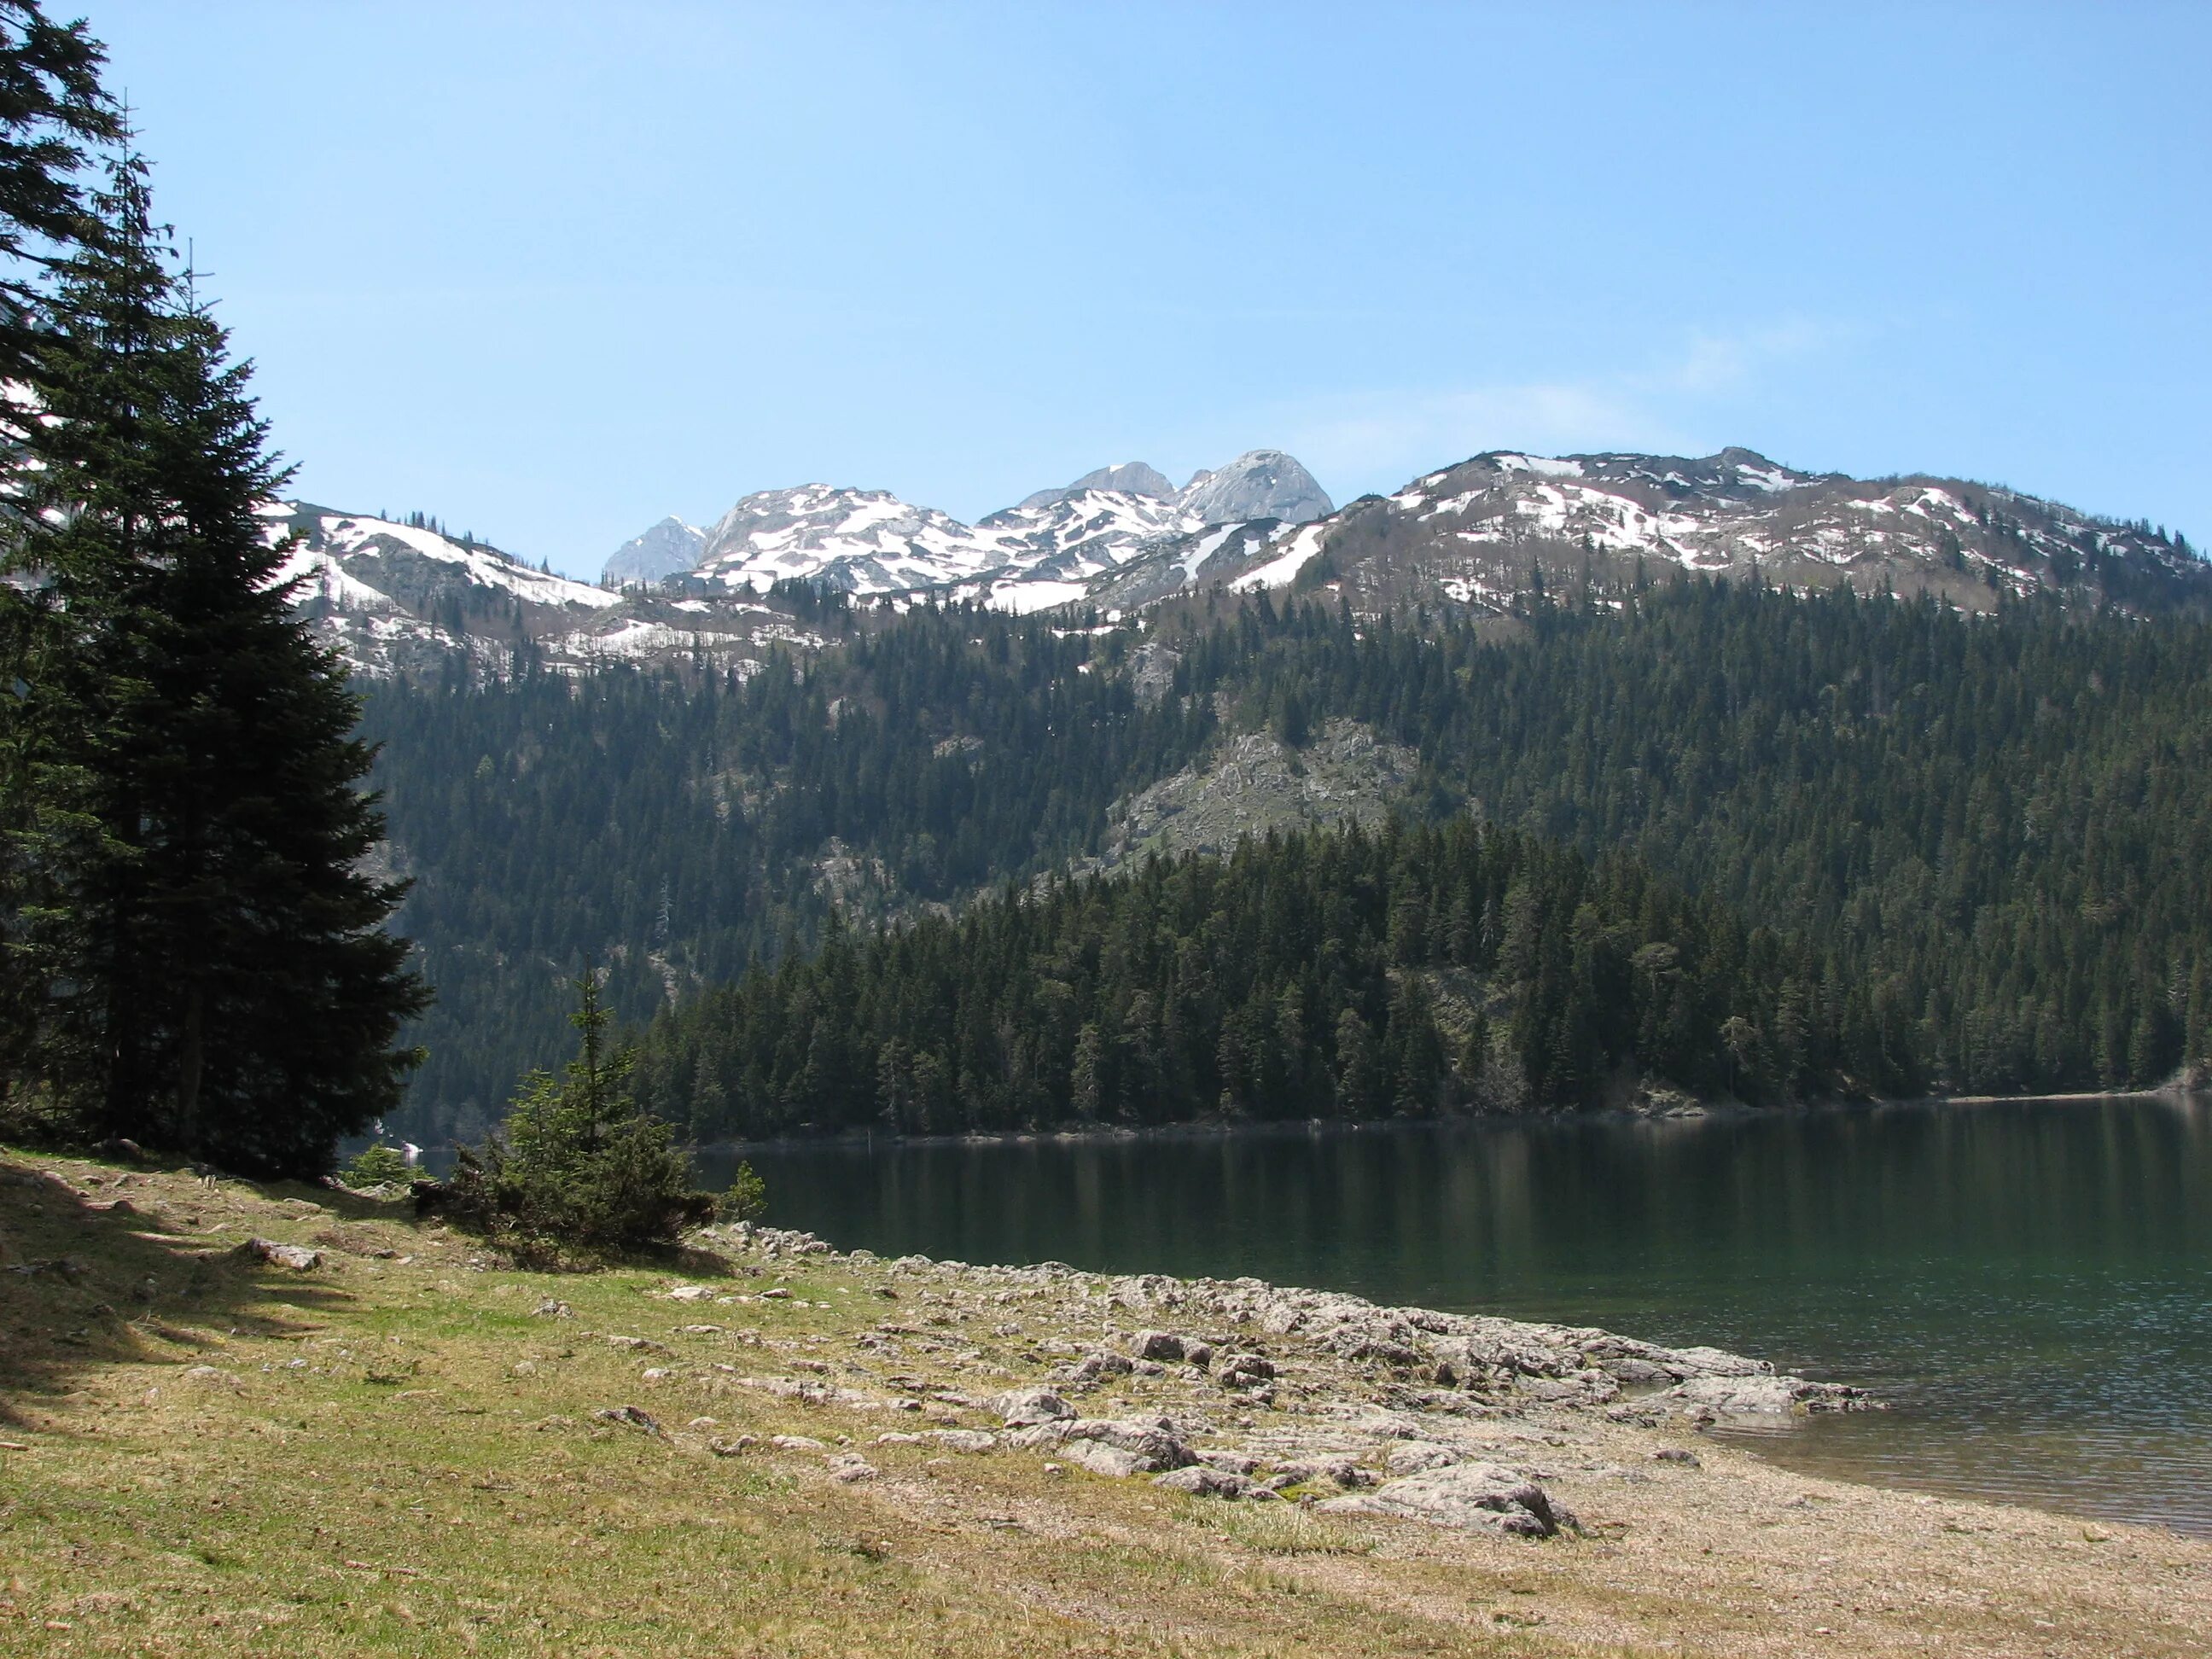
<point x="675" y="823"/>
<point x="1989" y="832"/>
<point x="1339" y="975"/>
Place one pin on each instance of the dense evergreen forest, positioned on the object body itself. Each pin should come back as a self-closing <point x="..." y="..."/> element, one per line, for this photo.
<point x="1988" y="836"/>
<point x="1330" y="976"/>
<point x="667" y="823"/>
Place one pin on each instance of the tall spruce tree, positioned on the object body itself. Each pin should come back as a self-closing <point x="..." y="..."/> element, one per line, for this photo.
<point x="52" y="106"/>
<point x="205" y="940"/>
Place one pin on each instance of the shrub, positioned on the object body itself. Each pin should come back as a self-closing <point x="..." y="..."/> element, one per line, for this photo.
<point x="746" y="1199"/>
<point x="378" y="1166"/>
<point x="578" y="1168"/>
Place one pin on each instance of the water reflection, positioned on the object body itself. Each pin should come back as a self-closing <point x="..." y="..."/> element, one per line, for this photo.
<point x="2030" y="1282"/>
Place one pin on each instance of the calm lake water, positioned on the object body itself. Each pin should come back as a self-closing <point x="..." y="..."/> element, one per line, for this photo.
<point x="2028" y="1283"/>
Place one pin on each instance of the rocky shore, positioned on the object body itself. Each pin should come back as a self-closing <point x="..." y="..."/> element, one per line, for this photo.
<point x="1241" y="1390"/>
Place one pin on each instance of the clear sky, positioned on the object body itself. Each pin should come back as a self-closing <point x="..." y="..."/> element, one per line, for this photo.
<point x="550" y="271"/>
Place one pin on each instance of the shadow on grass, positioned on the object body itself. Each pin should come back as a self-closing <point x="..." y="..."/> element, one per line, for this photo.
<point x="94" y="1276"/>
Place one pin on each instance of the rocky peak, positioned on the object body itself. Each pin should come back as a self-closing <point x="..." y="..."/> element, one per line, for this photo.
<point x="1128" y="478"/>
<point x="668" y="549"/>
<point x="1261" y="484"/>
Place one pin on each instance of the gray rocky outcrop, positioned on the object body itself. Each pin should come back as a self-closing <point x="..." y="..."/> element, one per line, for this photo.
<point x="1200" y="1481"/>
<point x="1473" y="1496"/>
<point x="1478" y="1355"/>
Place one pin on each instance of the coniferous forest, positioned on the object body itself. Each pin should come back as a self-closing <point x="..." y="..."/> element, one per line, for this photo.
<point x="1899" y="850"/>
<point x="192" y="952"/>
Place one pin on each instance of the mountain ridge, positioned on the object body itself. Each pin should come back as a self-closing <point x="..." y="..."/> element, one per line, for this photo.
<point x="1481" y="535"/>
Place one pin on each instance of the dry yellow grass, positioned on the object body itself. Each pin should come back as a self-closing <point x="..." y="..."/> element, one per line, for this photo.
<point x="391" y="1455"/>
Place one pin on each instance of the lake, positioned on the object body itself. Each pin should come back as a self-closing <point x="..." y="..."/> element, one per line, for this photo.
<point x="2028" y="1283"/>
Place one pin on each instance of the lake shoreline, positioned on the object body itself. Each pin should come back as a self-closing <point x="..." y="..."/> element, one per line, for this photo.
<point x="1206" y="1129"/>
<point x="782" y="1442"/>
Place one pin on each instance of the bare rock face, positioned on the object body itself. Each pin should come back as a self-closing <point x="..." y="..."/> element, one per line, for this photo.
<point x="1473" y="1496"/>
<point x="1261" y="484"/>
<point x="669" y="549"/>
<point x="1128" y="478"/>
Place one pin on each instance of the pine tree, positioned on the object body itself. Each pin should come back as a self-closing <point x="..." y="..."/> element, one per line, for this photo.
<point x="210" y="953"/>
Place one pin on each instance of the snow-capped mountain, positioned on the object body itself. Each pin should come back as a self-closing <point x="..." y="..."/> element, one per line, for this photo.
<point x="669" y="549"/>
<point x="393" y="595"/>
<point x="1474" y="534"/>
<point x="868" y="541"/>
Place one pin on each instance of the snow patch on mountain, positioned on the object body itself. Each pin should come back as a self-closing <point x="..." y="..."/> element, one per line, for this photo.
<point x="1280" y="571"/>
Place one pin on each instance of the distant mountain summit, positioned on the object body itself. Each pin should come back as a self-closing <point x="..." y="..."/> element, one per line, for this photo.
<point x="669" y="549"/>
<point x="1261" y="484"/>
<point x="1041" y="551"/>
<point x="1129" y="478"/>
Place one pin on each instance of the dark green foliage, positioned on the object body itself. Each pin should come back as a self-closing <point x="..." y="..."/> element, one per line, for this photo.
<point x="1998" y="831"/>
<point x="669" y="822"/>
<point x="377" y="1165"/>
<point x="197" y="951"/>
<point x="1284" y="982"/>
<point x="1994" y="833"/>
<point x="578" y="1167"/>
<point x="746" y="1199"/>
<point x="52" y="107"/>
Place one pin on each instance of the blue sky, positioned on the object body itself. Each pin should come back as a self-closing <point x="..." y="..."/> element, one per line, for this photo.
<point x="550" y="271"/>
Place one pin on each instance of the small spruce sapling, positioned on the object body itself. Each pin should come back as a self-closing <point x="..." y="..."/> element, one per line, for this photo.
<point x="579" y="1168"/>
<point x="379" y="1165"/>
<point x="746" y="1199"/>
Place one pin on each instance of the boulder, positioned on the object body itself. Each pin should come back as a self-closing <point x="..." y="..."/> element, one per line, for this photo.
<point x="1113" y="1461"/>
<point x="1199" y="1481"/>
<point x="297" y="1257"/>
<point x="1739" y="1397"/>
<point x="1407" y="1457"/>
<point x="1151" y="1439"/>
<point x="850" y="1468"/>
<point x="1473" y="1496"/>
<point x="1245" y="1371"/>
<point x="1021" y="1408"/>
<point x="1093" y="1366"/>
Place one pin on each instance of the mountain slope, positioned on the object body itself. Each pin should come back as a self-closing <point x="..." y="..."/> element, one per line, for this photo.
<point x="1479" y="534"/>
<point x="396" y="596"/>
<point x="405" y="598"/>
